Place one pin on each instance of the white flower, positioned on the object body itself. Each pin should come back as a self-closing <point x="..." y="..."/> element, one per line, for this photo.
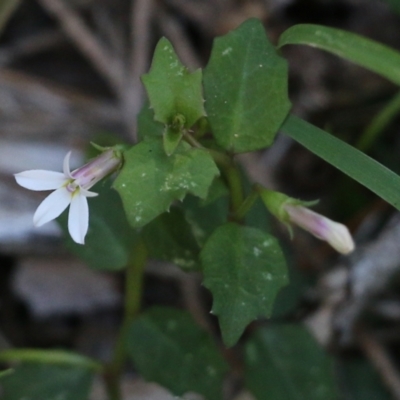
<point x="336" y="234"/>
<point x="70" y="189"/>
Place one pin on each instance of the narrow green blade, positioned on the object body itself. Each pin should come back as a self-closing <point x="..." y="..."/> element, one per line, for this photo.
<point x="346" y="158"/>
<point x="363" y="51"/>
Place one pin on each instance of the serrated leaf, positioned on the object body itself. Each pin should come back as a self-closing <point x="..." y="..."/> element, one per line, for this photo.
<point x="167" y="347"/>
<point x="205" y="218"/>
<point x="284" y="362"/>
<point x="172" y="89"/>
<point x="244" y="268"/>
<point x="110" y="238"/>
<point x="245" y="86"/>
<point x="217" y="190"/>
<point x="170" y="238"/>
<point x="171" y="140"/>
<point x="148" y="127"/>
<point x="43" y="381"/>
<point x="150" y="180"/>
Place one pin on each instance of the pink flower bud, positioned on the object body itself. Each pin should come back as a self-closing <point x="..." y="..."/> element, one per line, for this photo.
<point x="337" y="235"/>
<point x="96" y="169"/>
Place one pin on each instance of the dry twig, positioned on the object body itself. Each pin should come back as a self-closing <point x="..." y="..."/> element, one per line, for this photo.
<point x="382" y="362"/>
<point x="174" y="32"/>
<point x="372" y="266"/>
<point x="109" y="67"/>
<point x="141" y="16"/>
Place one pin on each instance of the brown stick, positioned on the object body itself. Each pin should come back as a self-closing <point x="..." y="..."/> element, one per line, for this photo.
<point x="174" y="32"/>
<point x="382" y="362"/>
<point x="111" y="68"/>
<point x="141" y="15"/>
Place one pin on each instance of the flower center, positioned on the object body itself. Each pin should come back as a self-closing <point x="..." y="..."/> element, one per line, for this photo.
<point x="72" y="187"/>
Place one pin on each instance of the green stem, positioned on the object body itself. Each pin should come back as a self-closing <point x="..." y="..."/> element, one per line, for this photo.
<point x="133" y="296"/>
<point x="230" y="171"/>
<point x="233" y="179"/>
<point x="247" y="204"/>
<point x="192" y="141"/>
<point x="235" y="187"/>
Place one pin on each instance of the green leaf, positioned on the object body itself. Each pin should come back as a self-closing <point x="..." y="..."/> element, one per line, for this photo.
<point x="53" y="357"/>
<point x="205" y="216"/>
<point x="47" y="374"/>
<point x="170" y="238"/>
<point x="171" y="139"/>
<point x="110" y="237"/>
<point x="6" y="372"/>
<point x="244" y="268"/>
<point x="172" y="89"/>
<point x="360" y="381"/>
<point x="148" y="127"/>
<point x="346" y="158"/>
<point x="284" y="362"/>
<point x="217" y="190"/>
<point x="47" y="382"/>
<point x="288" y="299"/>
<point x="167" y="347"/>
<point x="362" y="51"/>
<point x="150" y="180"/>
<point x="245" y="86"/>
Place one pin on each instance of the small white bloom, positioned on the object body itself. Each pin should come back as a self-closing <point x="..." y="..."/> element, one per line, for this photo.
<point x="70" y="189"/>
<point x="336" y="234"/>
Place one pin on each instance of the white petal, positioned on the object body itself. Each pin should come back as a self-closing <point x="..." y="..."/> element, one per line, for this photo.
<point x="66" y="169"/>
<point x="87" y="193"/>
<point x="38" y="179"/>
<point x="52" y="206"/>
<point x="78" y="218"/>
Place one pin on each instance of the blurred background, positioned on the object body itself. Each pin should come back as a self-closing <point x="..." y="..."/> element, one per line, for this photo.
<point x="70" y="73"/>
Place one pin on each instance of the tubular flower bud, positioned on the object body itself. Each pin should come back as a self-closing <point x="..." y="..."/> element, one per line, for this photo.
<point x="336" y="234"/>
<point x="292" y="211"/>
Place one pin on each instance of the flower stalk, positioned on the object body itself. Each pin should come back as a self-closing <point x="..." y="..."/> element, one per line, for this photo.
<point x="133" y="296"/>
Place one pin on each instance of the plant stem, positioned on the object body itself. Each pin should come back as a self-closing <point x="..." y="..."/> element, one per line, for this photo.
<point x="246" y="204"/>
<point x="192" y="141"/>
<point x="133" y="296"/>
<point x="230" y="171"/>
<point x="233" y="179"/>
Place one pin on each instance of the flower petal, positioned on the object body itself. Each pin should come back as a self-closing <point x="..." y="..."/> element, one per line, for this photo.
<point x="52" y="206"/>
<point x="39" y="179"/>
<point x="78" y="218"/>
<point x="88" y="193"/>
<point x="66" y="169"/>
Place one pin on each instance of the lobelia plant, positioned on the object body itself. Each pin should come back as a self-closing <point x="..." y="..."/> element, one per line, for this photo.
<point x="185" y="201"/>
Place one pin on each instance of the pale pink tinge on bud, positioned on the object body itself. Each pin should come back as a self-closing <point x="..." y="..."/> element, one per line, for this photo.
<point x="336" y="234"/>
<point x="70" y="189"/>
